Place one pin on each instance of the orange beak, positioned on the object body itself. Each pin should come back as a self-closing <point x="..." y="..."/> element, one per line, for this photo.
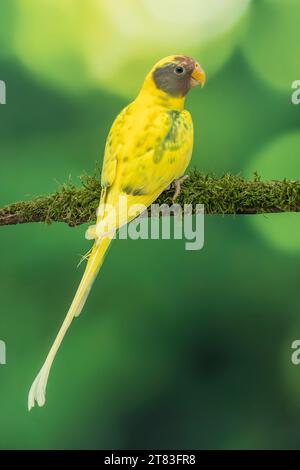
<point x="198" y="76"/>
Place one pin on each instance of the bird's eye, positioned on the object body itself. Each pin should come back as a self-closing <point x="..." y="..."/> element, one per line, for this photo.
<point x="179" y="70"/>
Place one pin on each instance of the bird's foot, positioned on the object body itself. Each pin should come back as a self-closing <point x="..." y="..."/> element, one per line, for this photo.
<point x="177" y="186"/>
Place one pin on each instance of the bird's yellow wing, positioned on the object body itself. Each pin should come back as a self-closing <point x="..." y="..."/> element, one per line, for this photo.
<point x="113" y="148"/>
<point x="143" y="156"/>
<point x="163" y="157"/>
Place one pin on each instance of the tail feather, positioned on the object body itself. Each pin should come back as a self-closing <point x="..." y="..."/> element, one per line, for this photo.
<point x="37" y="391"/>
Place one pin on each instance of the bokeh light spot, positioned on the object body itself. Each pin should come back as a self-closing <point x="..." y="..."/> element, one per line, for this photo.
<point x="114" y="44"/>
<point x="271" y="44"/>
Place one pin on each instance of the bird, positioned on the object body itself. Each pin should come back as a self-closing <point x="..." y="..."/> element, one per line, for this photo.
<point x="149" y="147"/>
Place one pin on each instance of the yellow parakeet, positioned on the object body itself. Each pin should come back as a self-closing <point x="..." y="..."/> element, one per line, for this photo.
<point x="148" y="147"/>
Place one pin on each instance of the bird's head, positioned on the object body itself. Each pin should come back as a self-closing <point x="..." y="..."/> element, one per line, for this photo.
<point x="176" y="75"/>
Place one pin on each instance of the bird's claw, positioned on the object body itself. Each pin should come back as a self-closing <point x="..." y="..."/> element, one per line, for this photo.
<point x="177" y="186"/>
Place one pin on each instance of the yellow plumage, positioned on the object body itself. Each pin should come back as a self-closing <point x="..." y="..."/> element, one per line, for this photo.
<point x="149" y="146"/>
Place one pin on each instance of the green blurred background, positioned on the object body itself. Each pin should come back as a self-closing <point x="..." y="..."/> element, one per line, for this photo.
<point x="175" y="349"/>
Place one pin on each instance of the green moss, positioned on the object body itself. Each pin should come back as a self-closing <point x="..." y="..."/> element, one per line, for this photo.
<point x="227" y="194"/>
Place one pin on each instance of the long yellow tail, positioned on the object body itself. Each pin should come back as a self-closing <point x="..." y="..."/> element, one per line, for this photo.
<point x="37" y="391"/>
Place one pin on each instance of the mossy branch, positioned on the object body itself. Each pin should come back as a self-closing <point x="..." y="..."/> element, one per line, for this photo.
<point x="226" y="194"/>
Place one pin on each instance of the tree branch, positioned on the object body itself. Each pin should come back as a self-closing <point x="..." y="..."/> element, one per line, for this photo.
<point x="227" y="194"/>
